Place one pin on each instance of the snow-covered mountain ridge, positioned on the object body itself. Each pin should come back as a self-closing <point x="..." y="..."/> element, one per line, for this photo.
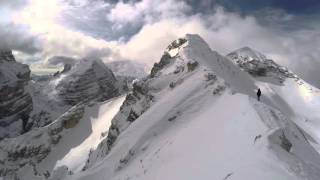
<point x="194" y="117"/>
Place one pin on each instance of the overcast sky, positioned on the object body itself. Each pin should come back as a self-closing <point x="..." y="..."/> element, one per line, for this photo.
<point x="287" y="31"/>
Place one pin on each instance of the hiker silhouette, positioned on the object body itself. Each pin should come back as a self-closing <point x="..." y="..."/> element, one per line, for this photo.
<point x="259" y="94"/>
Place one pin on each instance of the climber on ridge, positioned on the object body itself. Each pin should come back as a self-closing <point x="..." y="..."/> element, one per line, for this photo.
<point x="259" y="94"/>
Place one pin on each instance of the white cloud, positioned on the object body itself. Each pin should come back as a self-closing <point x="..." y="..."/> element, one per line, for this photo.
<point x="126" y="13"/>
<point x="158" y="22"/>
<point x="41" y="18"/>
<point x="225" y="31"/>
<point x="13" y="36"/>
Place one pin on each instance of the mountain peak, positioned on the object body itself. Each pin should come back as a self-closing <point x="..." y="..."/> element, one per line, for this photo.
<point x="257" y="65"/>
<point x="87" y="79"/>
<point x="248" y="53"/>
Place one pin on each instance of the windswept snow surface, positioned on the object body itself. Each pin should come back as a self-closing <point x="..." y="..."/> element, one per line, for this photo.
<point x="191" y="132"/>
<point x="198" y="50"/>
<point x="100" y="117"/>
<point x="211" y="138"/>
<point x="73" y="149"/>
<point x="304" y="102"/>
<point x="249" y="54"/>
<point x="294" y="97"/>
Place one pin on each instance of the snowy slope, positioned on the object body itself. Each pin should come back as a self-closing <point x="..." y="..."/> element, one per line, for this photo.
<point x="209" y="144"/>
<point x="302" y="98"/>
<point x="203" y="122"/>
<point x="65" y="142"/>
<point x="76" y="157"/>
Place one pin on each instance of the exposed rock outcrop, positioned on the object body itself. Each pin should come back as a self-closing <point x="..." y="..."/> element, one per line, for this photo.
<point x="88" y="79"/>
<point x="135" y="104"/>
<point x="169" y="73"/>
<point x="15" y="102"/>
<point x="259" y="66"/>
<point x="80" y="81"/>
<point x="32" y="147"/>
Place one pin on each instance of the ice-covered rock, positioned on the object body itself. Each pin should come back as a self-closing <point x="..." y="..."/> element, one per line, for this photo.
<point x="259" y="66"/>
<point x="247" y="54"/>
<point x="15" y="101"/>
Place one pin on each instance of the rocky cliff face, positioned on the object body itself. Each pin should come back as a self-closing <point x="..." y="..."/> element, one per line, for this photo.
<point x="86" y="80"/>
<point x="59" y="104"/>
<point x="80" y="81"/>
<point x="15" y="102"/>
<point x="135" y="104"/>
<point x="259" y="66"/>
<point x="169" y="73"/>
<point x="30" y="149"/>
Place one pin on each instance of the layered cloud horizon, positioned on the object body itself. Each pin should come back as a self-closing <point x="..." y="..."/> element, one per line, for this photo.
<point x="140" y="30"/>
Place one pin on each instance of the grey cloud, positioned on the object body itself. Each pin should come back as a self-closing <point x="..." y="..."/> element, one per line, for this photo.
<point x="16" y="37"/>
<point x="12" y="36"/>
<point x="98" y="53"/>
<point x="100" y="20"/>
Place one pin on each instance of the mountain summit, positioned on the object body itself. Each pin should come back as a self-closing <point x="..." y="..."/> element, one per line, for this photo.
<point x="259" y="66"/>
<point x="246" y="53"/>
<point x="86" y="80"/>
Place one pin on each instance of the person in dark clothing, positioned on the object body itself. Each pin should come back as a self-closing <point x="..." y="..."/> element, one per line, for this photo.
<point x="259" y="94"/>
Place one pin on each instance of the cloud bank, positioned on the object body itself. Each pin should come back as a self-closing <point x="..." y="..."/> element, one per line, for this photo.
<point x="141" y="30"/>
<point x="15" y="36"/>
